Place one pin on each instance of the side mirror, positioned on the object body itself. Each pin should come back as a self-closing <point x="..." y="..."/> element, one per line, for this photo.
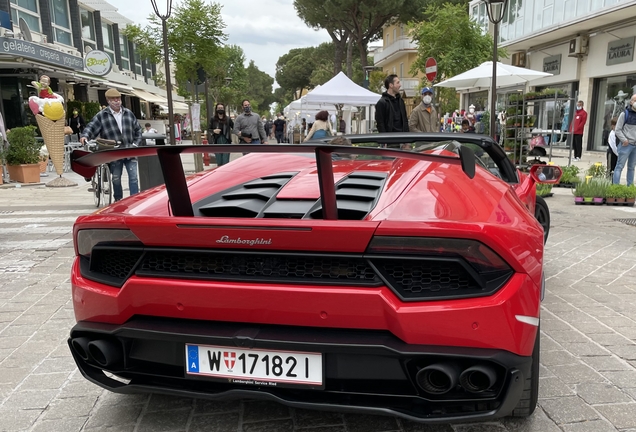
<point x="549" y="174"/>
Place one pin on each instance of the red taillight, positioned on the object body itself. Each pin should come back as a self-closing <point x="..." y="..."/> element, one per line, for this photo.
<point x="479" y="256"/>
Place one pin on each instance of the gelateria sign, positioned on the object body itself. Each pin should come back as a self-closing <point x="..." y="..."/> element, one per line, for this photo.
<point x="98" y="63"/>
<point x="620" y="51"/>
<point x="33" y="51"/>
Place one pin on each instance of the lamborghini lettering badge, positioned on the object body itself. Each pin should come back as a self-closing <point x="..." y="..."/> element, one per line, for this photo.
<point x="249" y="242"/>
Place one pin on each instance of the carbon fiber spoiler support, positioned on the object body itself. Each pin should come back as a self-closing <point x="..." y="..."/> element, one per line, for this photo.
<point x="85" y="164"/>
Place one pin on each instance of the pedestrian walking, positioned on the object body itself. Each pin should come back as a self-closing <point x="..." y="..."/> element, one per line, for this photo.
<point x="250" y="124"/>
<point x="280" y="126"/>
<point x="321" y="127"/>
<point x="390" y="111"/>
<point x="118" y="124"/>
<point x="77" y="123"/>
<point x="580" y="118"/>
<point x="220" y="132"/>
<point x="424" y="116"/>
<point x="626" y="134"/>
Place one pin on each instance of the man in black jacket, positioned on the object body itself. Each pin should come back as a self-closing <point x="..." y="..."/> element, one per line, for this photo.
<point x="390" y="111"/>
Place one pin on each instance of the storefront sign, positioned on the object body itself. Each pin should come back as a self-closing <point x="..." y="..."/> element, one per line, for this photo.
<point x="620" y="51"/>
<point x="552" y="64"/>
<point x="33" y="51"/>
<point x="98" y="63"/>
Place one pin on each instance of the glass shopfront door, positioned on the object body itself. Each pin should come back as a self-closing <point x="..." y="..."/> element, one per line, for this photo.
<point x="612" y="96"/>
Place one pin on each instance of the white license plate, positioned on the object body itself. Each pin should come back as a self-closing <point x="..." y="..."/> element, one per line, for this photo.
<point x="255" y="367"/>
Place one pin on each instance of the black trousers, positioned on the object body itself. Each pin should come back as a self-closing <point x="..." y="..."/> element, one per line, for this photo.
<point x="611" y="161"/>
<point x="577" y="143"/>
<point x="280" y="136"/>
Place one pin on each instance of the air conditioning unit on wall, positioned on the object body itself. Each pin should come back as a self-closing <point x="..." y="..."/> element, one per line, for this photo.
<point x="519" y="59"/>
<point x="578" y="46"/>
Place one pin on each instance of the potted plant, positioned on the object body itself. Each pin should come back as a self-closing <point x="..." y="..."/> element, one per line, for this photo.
<point x="599" y="189"/>
<point x="598" y="170"/>
<point x="613" y="194"/>
<point x="581" y="192"/>
<point x="23" y="155"/>
<point x="510" y="144"/>
<point x="630" y="194"/>
<point x="570" y="176"/>
<point x="544" y="190"/>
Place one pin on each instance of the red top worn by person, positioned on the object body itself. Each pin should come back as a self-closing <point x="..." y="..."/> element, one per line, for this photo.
<point x="580" y="118"/>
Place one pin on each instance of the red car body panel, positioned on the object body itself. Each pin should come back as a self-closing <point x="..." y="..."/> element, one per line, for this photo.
<point x="422" y="199"/>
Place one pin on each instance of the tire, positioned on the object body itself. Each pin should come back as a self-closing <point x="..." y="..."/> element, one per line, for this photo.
<point x="97" y="188"/>
<point x="542" y="214"/>
<point x="530" y="395"/>
<point x="107" y="186"/>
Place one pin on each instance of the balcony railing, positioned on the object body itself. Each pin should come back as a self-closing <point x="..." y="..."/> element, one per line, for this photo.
<point x="403" y="43"/>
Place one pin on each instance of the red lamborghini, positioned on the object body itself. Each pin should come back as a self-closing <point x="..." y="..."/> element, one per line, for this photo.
<point x="354" y="278"/>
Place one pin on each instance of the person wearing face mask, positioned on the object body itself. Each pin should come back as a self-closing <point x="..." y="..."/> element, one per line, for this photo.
<point x="118" y="124"/>
<point x="470" y="115"/>
<point x="626" y="135"/>
<point x="250" y="124"/>
<point x="280" y="126"/>
<point x="578" y="123"/>
<point x="220" y="132"/>
<point x="76" y="123"/>
<point x="424" y="117"/>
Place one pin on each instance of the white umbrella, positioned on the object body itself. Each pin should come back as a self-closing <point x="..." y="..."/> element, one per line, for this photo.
<point x="481" y="76"/>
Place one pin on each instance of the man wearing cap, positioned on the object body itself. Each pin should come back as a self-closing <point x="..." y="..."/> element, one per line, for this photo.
<point x="390" y="111"/>
<point x="424" y="117"/>
<point x="118" y="124"/>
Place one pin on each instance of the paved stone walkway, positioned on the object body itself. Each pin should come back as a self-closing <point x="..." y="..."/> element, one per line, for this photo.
<point x="588" y="335"/>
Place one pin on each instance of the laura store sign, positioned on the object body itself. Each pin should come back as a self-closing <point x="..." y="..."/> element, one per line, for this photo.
<point x="33" y="51"/>
<point x="620" y="51"/>
<point x="552" y="64"/>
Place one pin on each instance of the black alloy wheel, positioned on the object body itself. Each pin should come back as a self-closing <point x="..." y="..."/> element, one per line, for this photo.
<point x="542" y="214"/>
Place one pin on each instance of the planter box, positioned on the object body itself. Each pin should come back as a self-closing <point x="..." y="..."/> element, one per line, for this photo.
<point x="24" y="173"/>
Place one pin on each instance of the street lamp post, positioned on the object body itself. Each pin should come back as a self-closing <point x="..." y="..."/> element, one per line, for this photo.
<point x="164" y="26"/>
<point x="496" y="10"/>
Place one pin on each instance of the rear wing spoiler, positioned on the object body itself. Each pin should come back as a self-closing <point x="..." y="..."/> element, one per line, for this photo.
<point x="85" y="164"/>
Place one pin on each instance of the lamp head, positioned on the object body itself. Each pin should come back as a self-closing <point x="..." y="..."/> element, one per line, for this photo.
<point x="228" y="80"/>
<point x="496" y="10"/>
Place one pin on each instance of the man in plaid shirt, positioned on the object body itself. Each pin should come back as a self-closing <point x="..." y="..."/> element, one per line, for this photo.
<point x="118" y="124"/>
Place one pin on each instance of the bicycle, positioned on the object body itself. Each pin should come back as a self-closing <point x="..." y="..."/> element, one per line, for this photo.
<point x="101" y="182"/>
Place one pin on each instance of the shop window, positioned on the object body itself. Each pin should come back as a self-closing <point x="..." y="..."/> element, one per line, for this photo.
<point x="123" y="45"/>
<point x="88" y="25"/>
<point x="613" y="95"/>
<point x="61" y="21"/>
<point x="582" y="7"/>
<point x="28" y="11"/>
<point x="107" y="35"/>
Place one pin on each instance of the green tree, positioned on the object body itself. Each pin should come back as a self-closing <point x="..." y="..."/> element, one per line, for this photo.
<point x="455" y="41"/>
<point x="294" y="69"/>
<point x="259" y="89"/>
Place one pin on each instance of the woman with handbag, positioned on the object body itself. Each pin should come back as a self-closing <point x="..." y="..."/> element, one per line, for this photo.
<point x="220" y="132"/>
<point x="321" y="127"/>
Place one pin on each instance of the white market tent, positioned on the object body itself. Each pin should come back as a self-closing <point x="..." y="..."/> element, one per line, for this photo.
<point x="341" y="90"/>
<point x="481" y="77"/>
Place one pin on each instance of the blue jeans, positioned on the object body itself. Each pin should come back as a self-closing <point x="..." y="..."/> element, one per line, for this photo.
<point x="626" y="154"/>
<point x="116" y="169"/>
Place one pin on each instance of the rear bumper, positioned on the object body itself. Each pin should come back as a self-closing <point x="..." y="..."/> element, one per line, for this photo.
<point x="364" y="371"/>
<point x="484" y="322"/>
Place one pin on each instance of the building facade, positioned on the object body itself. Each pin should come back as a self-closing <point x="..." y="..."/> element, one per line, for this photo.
<point x="52" y="37"/>
<point x="588" y="46"/>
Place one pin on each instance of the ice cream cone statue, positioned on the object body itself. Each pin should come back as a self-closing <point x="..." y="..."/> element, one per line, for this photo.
<point x="49" y="113"/>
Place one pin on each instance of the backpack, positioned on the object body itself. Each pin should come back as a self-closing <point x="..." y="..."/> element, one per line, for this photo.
<point x="321" y="133"/>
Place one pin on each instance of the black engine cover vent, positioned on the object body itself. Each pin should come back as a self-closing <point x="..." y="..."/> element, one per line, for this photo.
<point x="246" y="200"/>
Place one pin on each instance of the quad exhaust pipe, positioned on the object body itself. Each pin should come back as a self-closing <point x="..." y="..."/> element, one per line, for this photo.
<point x="103" y="352"/>
<point x="477" y="379"/>
<point x="440" y="378"/>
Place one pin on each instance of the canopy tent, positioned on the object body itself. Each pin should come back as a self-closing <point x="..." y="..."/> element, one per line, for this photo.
<point x="341" y="90"/>
<point x="481" y="76"/>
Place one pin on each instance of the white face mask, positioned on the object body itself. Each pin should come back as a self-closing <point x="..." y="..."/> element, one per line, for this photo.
<point x="427" y="99"/>
<point x="114" y="104"/>
<point x="472" y="110"/>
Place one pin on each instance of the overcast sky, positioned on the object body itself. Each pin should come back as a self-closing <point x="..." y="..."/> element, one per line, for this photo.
<point x="265" y="29"/>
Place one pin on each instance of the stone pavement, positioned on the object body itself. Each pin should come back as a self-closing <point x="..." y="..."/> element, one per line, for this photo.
<point x="588" y="335"/>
